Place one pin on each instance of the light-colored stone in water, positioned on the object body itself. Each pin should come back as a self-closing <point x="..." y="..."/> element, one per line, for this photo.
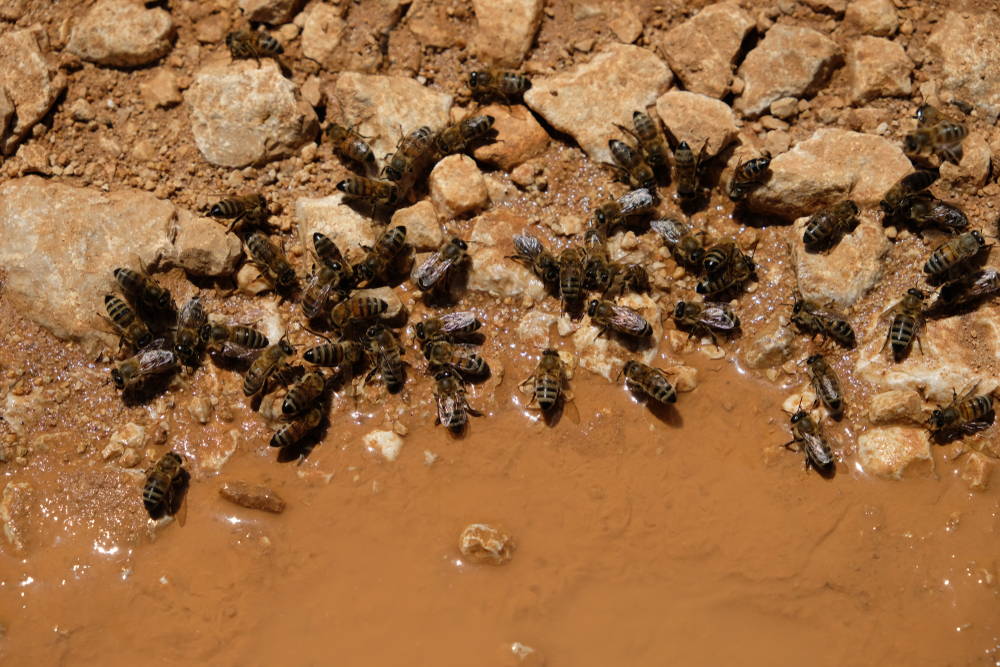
<point x="702" y="50"/>
<point x="526" y="656"/>
<point x="31" y="84"/>
<point x="830" y="166"/>
<point x="519" y="137"/>
<point x="492" y="272"/>
<point x="770" y="74"/>
<point x="891" y="451"/>
<point x="331" y="216"/>
<point x="977" y="471"/>
<point x="122" y="33"/>
<point x="534" y="329"/>
<point x="387" y="107"/>
<point x="202" y="246"/>
<point x="586" y="100"/>
<point x="16" y="507"/>
<point x="322" y="32"/>
<point x="457" y="186"/>
<point x="387" y="443"/>
<point x="244" y="113"/>
<point x="872" y="17"/>
<point x="844" y="274"/>
<point x="878" y="67"/>
<point x="505" y="29"/>
<point x="772" y="347"/>
<point x="273" y="12"/>
<point x="697" y="119"/>
<point x="215" y="453"/>
<point x="894" y="406"/>
<point x="130" y="435"/>
<point x="253" y="497"/>
<point x="966" y="46"/>
<point x="58" y="276"/>
<point x="423" y="229"/>
<point x="606" y="354"/>
<point x="482" y="543"/>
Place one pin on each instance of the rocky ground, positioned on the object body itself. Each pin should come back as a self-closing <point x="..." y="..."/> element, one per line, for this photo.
<point x="121" y="123"/>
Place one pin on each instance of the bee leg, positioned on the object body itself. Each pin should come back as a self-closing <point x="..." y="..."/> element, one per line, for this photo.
<point x="788" y="445"/>
<point x="919" y="344"/>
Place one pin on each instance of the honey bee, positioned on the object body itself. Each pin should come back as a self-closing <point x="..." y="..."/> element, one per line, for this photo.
<point x="597" y="270"/>
<point x="271" y="361"/>
<point x="608" y="315"/>
<point x="635" y="202"/>
<point x="737" y="273"/>
<point x="687" y="166"/>
<point x="323" y="285"/>
<point x="350" y="145"/>
<point x="378" y="262"/>
<point x="271" y="260"/>
<point x="824" y="229"/>
<point x="457" y="137"/>
<point x="533" y="254"/>
<point x="355" y="310"/>
<point x="434" y="273"/>
<point x="706" y="318"/>
<point x="441" y="352"/>
<point x="807" y="436"/>
<point x="453" y="408"/>
<point x="346" y="352"/>
<point x="187" y="338"/>
<point x="967" y="289"/>
<point x="631" y="166"/>
<point x="809" y="318"/>
<point x="953" y="252"/>
<point x="964" y="414"/>
<point x="297" y="429"/>
<point x="138" y="372"/>
<point x="626" y="277"/>
<point x="719" y="256"/>
<point x="935" y="134"/>
<point x="141" y="290"/>
<point x="904" y="326"/>
<point x="163" y="482"/>
<point x="895" y="201"/>
<point x="303" y="393"/>
<point x="447" y="326"/>
<point x="826" y="384"/>
<point x="252" y="44"/>
<point x="924" y="209"/>
<point x="685" y="245"/>
<point x="651" y="141"/>
<point x="250" y="208"/>
<point x="238" y="343"/>
<point x="378" y="193"/>
<point x="411" y="154"/>
<point x="749" y="175"/>
<point x="127" y="322"/>
<point x="572" y="261"/>
<point x="651" y="381"/>
<point x="498" y="84"/>
<point x="548" y="382"/>
<point x="386" y="354"/>
<point x="327" y="251"/>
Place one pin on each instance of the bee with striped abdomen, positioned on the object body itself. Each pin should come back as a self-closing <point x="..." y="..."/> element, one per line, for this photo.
<point x="749" y="175"/>
<point x="806" y="434"/>
<point x="498" y="84"/>
<point x="144" y="292"/>
<point x="530" y="252"/>
<point x="630" y="204"/>
<point x="631" y="166"/>
<point x="685" y="243"/>
<point x="572" y="262"/>
<point x="386" y="355"/>
<point x="232" y="343"/>
<point x="954" y="251"/>
<point x="129" y="325"/>
<point x="824" y="229"/>
<point x="966" y="289"/>
<point x="271" y="260"/>
<point x="187" y="339"/>
<point x="453" y="408"/>
<point x="826" y="385"/>
<point x="706" y="318"/>
<point x="344" y="352"/>
<point x="548" y="382"/>
<point x="271" y="362"/>
<point x="303" y="393"/>
<point x="611" y="316"/>
<point x="163" y="484"/>
<point x="965" y="414"/>
<point x="448" y="326"/>
<point x="297" y="429"/>
<point x="378" y="263"/>
<point x="894" y="202"/>
<point x="651" y="141"/>
<point x="350" y="145"/>
<point x="687" y="170"/>
<point x="376" y="192"/>
<point x="413" y="152"/>
<point x="652" y="382"/>
<point x="434" y="274"/>
<point x="904" y="325"/>
<point x="810" y="318"/>
<point x="242" y="209"/>
<point x="253" y="44"/>
<point x="356" y="310"/>
<point x="458" y="137"/>
<point x="138" y="372"/>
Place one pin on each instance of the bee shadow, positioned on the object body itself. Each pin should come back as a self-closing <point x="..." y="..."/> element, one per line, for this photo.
<point x="301" y="450"/>
<point x="950" y="435"/>
<point x="150" y="389"/>
<point x="664" y="412"/>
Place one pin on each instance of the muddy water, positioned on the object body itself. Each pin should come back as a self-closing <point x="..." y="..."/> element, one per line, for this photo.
<point x="683" y="537"/>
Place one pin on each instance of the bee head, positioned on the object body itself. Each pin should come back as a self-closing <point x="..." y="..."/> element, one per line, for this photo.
<point x="701" y="288"/>
<point x="813" y="359"/>
<point x="910" y="143"/>
<point x="978" y="235"/>
<point x="592" y="307"/>
<point x="373" y="331"/>
<point x="914" y="292"/>
<point x="164" y="301"/>
<point x="697" y="255"/>
<point x="342" y="186"/>
<point x="936" y="419"/>
<point x="550" y="352"/>
<point x="475" y="80"/>
<point x="851" y="206"/>
<point x="679" y="309"/>
<point x="310" y="355"/>
<point x="683" y="146"/>
<point x="886" y="207"/>
<point x="460" y="243"/>
<point x="144" y="340"/>
<point x="116" y="377"/>
<point x="421" y="331"/>
<point x="286" y="346"/>
<point x="799" y="415"/>
<point x="287" y="277"/>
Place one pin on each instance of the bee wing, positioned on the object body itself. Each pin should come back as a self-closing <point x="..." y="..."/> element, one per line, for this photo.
<point x="447" y="405"/>
<point x="670" y="230"/>
<point x="458" y="321"/>
<point x="636" y="201"/>
<point x="718" y="316"/>
<point x="626" y="319"/>
<point x="324" y="288"/>
<point x="528" y="245"/>
<point x="236" y="352"/>
<point x="432" y="270"/>
<point x="192" y="315"/>
<point x="152" y="362"/>
<point x="817" y="450"/>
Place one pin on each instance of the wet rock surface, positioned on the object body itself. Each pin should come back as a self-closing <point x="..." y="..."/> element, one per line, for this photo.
<point x="423" y="228"/>
<point x="457" y="186"/>
<point x="519" y="137"/>
<point x="344" y="225"/>
<point x="585" y="101"/>
<point x="894" y="451"/>
<point x="122" y="33"/>
<point x="243" y="114"/>
<point x="769" y="74"/>
<point x="845" y="273"/>
<point x="16" y="505"/>
<point x="830" y="166"/>
<point x="702" y="50"/>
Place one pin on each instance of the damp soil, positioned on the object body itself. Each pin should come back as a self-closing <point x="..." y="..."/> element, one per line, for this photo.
<point x="643" y="537"/>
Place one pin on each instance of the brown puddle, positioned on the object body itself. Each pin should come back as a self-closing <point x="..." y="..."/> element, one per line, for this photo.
<point x="641" y="540"/>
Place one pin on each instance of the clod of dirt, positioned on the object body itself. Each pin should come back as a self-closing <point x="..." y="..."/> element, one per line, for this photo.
<point x="872" y="17"/>
<point x="505" y="29"/>
<point x="457" y="186"/>
<point x="878" y="67"/>
<point x="897" y="405"/>
<point x="967" y="48"/>
<point x="702" y="50"/>
<point x="482" y="543"/>
<point x="519" y="137"/>
<point x="322" y="32"/>
<point x="978" y="470"/>
<point x="202" y="247"/>
<point x="423" y="229"/>
<point x="252" y="496"/>
<point x="892" y="450"/>
<point x="273" y="12"/>
<point x="17" y="505"/>
<point x="386" y="443"/>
